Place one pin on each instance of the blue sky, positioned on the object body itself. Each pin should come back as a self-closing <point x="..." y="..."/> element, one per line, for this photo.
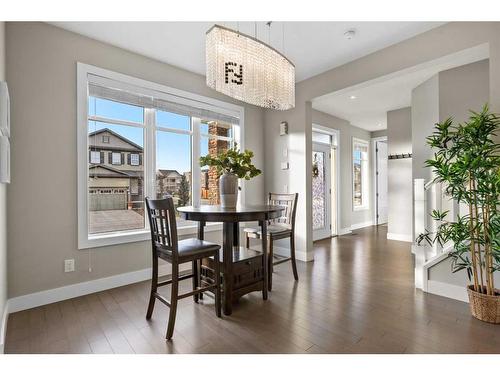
<point x="173" y="150"/>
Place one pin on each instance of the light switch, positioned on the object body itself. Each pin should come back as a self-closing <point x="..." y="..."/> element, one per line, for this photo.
<point x="284" y="165"/>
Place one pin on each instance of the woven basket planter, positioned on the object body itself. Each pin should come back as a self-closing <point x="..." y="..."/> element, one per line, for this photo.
<point x="484" y="307"/>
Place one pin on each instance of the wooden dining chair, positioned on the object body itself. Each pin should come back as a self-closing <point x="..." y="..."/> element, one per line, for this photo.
<point x="279" y="228"/>
<point x="165" y="245"/>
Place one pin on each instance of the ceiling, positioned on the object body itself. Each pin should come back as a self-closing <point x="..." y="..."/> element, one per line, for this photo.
<point x="366" y="105"/>
<point x="313" y="47"/>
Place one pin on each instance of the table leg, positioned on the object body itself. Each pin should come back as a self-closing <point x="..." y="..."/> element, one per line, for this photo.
<point x="227" y="249"/>
<point x="201" y="236"/>
<point x="263" y="226"/>
<point x="236" y="234"/>
<point x="201" y="230"/>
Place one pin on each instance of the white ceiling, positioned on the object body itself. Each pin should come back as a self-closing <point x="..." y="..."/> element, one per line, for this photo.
<point x="373" y="99"/>
<point x="314" y="47"/>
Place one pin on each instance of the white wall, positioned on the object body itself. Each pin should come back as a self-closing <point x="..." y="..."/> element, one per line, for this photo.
<point x="399" y="176"/>
<point x="3" y="211"/>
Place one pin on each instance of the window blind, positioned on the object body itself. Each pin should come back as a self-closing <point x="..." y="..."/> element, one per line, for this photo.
<point x="119" y="92"/>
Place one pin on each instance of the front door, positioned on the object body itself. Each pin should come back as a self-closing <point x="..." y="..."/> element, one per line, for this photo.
<point x="321" y="191"/>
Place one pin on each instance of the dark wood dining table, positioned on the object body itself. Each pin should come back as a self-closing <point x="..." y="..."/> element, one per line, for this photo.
<point x="230" y="219"/>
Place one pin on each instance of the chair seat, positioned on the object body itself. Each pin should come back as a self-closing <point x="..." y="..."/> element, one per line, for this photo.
<point x="272" y="230"/>
<point x="190" y="249"/>
<point x="193" y="247"/>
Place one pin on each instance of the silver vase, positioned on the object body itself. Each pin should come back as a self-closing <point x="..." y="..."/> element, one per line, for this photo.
<point x="228" y="189"/>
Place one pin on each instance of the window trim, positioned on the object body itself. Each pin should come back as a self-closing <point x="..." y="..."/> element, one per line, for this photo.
<point x="365" y="177"/>
<point x="119" y="157"/>
<point x="92" y="152"/>
<point x="135" y="154"/>
<point x="162" y="91"/>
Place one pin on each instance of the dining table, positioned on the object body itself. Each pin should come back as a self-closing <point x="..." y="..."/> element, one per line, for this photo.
<point x="231" y="219"/>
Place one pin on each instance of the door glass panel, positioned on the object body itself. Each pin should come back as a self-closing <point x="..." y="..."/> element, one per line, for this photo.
<point x="319" y="190"/>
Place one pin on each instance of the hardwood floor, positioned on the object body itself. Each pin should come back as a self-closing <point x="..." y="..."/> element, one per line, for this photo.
<point x="356" y="297"/>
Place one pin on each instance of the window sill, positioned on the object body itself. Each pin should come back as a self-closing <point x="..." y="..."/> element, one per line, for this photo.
<point x="110" y="239"/>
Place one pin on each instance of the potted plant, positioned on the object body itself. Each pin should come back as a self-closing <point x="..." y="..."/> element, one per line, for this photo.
<point x="231" y="164"/>
<point x="467" y="162"/>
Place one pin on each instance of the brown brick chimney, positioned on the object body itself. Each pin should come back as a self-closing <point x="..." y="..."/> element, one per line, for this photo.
<point x="215" y="146"/>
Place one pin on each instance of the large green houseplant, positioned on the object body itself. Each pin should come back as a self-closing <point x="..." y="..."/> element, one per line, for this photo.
<point x="467" y="163"/>
<point x="231" y="164"/>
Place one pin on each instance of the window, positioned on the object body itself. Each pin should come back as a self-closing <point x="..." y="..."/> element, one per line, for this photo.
<point x="154" y="138"/>
<point x="134" y="159"/>
<point x="116" y="158"/>
<point x="360" y="174"/>
<point x="95" y="157"/>
<point x="216" y="137"/>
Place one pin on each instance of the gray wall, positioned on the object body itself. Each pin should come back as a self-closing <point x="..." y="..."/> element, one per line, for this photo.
<point x="378" y="133"/>
<point x="3" y="209"/>
<point x="299" y="146"/>
<point x="463" y="89"/>
<point x="348" y="217"/>
<point x="460" y="90"/>
<point x="41" y="70"/>
<point x="424" y="114"/>
<point x="436" y="43"/>
<point x="399" y="174"/>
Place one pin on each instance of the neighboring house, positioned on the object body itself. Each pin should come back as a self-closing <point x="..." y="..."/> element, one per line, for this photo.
<point x="168" y="182"/>
<point x="116" y="172"/>
<point x="203" y="184"/>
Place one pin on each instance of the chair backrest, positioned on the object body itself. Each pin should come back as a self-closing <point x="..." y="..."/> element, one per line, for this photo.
<point x="161" y="214"/>
<point x="289" y="201"/>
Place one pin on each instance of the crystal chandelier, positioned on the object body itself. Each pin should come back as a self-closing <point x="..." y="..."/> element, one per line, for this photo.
<point x="246" y="69"/>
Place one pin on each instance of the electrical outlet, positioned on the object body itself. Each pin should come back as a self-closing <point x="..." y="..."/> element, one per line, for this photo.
<point x="69" y="265"/>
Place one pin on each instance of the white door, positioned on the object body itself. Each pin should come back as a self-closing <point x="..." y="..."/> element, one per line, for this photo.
<point x="321" y="191"/>
<point x="381" y="182"/>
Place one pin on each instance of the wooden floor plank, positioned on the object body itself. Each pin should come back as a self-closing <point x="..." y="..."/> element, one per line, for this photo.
<point x="358" y="296"/>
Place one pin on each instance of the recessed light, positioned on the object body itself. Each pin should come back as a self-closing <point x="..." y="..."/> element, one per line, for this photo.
<point x="352" y="97"/>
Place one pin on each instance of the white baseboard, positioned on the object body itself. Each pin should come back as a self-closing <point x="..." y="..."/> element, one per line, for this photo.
<point x="344" y="231"/>
<point x="400" y="237"/>
<point x="45" y="297"/>
<point x="3" y="327"/>
<point x="448" y="290"/>
<point x="362" y="225"/>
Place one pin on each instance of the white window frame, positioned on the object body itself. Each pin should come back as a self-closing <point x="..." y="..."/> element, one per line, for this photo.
<point x="92" y="159"/>
<point x="136" y="156"/>
<point x="161" y="91"/>
<point x="365" y="178"/>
